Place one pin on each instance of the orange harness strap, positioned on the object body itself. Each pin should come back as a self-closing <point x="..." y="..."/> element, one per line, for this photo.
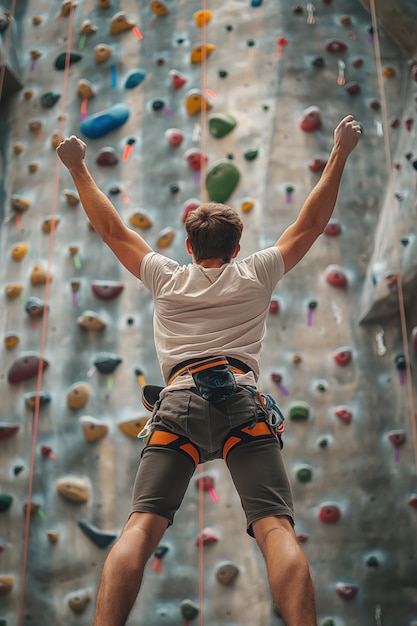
<point x="163" y="438"/>
<point x="244" y="435"/>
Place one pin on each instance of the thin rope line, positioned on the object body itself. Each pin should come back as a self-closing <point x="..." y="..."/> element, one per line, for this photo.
<point x="6" y="47"/>
<point x="394" y="227"/>
<point x="35" y="421"/>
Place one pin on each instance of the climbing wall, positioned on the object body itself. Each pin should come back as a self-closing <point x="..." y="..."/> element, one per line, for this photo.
<point x="181" y="101"/>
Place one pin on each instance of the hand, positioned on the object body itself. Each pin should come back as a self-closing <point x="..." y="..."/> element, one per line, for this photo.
<point x="71" y="151"/>
<point x="347" y="134"/>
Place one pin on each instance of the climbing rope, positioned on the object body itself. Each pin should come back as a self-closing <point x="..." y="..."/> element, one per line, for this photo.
<point x="388" y="162"/>
<point x="7" y="46"/>
<point x="35" y="419"/>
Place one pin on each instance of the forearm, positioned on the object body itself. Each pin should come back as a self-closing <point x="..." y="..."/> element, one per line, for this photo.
<point x="97" y="206"/>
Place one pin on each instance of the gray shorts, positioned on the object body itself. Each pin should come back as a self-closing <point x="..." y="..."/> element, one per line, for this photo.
<point x="187" y="430"/>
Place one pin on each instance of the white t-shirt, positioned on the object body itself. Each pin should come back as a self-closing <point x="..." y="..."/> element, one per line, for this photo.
<point x="202" y="312"/>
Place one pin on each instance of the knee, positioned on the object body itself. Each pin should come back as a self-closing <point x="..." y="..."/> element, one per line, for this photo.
<point x="143" y="532"/>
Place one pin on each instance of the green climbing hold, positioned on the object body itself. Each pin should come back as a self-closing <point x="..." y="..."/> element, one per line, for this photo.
<point x="304" y="474"/>
<point x="328" y="621"/>
<point x="222" y="180"/>
<point x="221" y="124"/>
<point x="48" y="99"/>
<point x="5" y="502"/>
<point x="60" y="61"/>
<point x="250" y="155"/>
<point x="189" y="609"/>
<point x="299" y="411"/>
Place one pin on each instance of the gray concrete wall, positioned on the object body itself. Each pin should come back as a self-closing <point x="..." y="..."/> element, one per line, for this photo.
<point x="353" y="466"/>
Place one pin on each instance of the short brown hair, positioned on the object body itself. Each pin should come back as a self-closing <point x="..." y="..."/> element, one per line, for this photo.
<point x="214" y="231"/>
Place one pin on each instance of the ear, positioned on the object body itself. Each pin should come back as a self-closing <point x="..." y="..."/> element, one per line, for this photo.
<point x="236" y="252"/>
<point x="188" y="247"/>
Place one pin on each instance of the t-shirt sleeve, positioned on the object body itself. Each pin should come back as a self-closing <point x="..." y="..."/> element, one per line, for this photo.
<point x="154" y="270"/>
<point x="268" y="264"/>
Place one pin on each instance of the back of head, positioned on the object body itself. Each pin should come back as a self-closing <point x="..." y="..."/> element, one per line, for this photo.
<point x="214" y="231"/>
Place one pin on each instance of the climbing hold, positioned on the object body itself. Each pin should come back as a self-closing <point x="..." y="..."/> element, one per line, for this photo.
<point x="61" y="60"/>
<point x="78" y="395"/>
<point x="66" y="7"/>
<point x="194" y="102"/>
<point x="11" y="340"/>
<point x="329" y="513"/>
<point x="328" y="621"/>
<point x="104" y="4"/>
<point x="397" y="437"/>
<point x="207" y="484"/>
<point x="38" y="275"/>
<point x="317" y="165"/>
<point x="251" y="155"/>
<point x="412" y="501"/>
<point x="347" y="591"/>
<point x="221" y="124"/>
<point x="106" y="362"/>
<point x="165" y="237"/>
<point x="106" y="290"/>
<point x="18" y="148"/>
<point x="48" y="99"/>
<point x="107" y="156"/>
<point x="318" y="61"/>
<point x="343" y="413"/>
<point x="201" y="52"/>
<point x="133" y="426"/>
<point x="35" y="126"/>
<point x="13" y="290"/>
<point x="353" y="88"/>
<point x="221" y="181"/>
<point x="159" y="8"/>
<point x="135" y="78"/>
<point x="177" y="79"/>
<point x="19" y="203"/>
<point x="97" y="536"/>
<point x="304" y="473"/>
<point x="32" y="399"/>
<point x="189" y="609"/>
<point x="188" y="206"/>
<point x="105" y="121"/>
<point x="343" y="356"/>
<point x="71" y="197"/>
<point x="90" y="320"/>
<point x="102" y="52"/>
<point x="53" y="536"/>
<point x="206" y="536"/>
<point x="336" y="276"/>
<point x="87" y="28"/>
<point x="47" y="451"/>
<point x="335" y="45"/>
<point x="73" y="489"/>
<point x="49" y="224"/>
<point x="174" y="136"/>
<point x="372" y="561"/>
<point x="333" y="228"/>
<point x="19" y="250"/>
<point x="202" y="18"/>
<point x="85" y="89"/>
<point x="274" y="306"/>
<point x="299" y="411"/>
<point x="26" y="366"/>
<point x="140" y="220"/>
<point x="33" y="167"/>
<point x="5" y="502"/>
<point x="247" y="206"/>
<point x="311" y="119"/>
<point x="56" y="138"/>
<point x="120" y="23"/>
<point x="195" y="158"/>
<point x="35" y="307"/>
<point x="159" y="554"/>
<point x="6" y="584"/>
<point x="302" y="537"/>
<point x="93" y="429"/>
<point x="78" y="600"/>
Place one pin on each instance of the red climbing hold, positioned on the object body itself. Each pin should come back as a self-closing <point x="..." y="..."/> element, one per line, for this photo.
<point x="343" y="356"/>
<point x="335" y="276"/>
<point x="177" y="79"/>
<point x="206" y="536"/>
<point x="346" y="591"/>
<point x="329" y="513"/>
<point x="336" y="45"/>
<point x="311" y="119"/>
<point x="344" y="413"/>
<point x="333" y="228"/>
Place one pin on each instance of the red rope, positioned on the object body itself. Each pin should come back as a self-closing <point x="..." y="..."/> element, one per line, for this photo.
<point x="43" y="333"/>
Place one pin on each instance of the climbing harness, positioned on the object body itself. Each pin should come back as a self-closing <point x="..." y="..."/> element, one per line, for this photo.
<point x="274" y="415"/>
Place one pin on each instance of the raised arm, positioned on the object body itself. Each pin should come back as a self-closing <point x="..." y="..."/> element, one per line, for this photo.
<point x="316" y="211"/>
<point x="127" y="245"/>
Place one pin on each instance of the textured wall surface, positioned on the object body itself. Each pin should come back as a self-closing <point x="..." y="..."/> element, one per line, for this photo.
<point x="341" y="344"/>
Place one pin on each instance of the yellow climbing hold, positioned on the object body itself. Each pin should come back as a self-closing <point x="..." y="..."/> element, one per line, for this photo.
<point x="13" y="290"/>
<point x="87" y="28"/>
<point x="11" y="340"/>
<point x="102" y="52"/>
<point x="120" y="23"/>
<point x="49" y="224"/>
<point x="247" y="206"/>
<point x="132" y="427"/>
<point x="194" y="102"/>
<point x="159" y="8"/>
<point x="73" y="489"/>
<point x="38" y="275"/>
<point x="78" y="395"/>
<point x="202" y="18"/>
<point x="19" y="250"/>
<point x="165" y="237"/>
<point x="93" y="429"/>
<point x="20" y="204"/>
<point x="201" y="51"/>
<point x="85" y="89"/>
<point x="6" y="584"/>
<point x="71" y="197"/>
<point x="140" y="220"/>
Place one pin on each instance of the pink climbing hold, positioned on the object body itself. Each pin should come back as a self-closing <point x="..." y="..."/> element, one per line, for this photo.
<point x="206" y="536"/>
<point x="311" y="119"/>
<point x="346" y="591"/>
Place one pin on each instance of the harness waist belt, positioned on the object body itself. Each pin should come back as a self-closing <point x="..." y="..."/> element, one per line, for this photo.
<point x="238" y="367"/>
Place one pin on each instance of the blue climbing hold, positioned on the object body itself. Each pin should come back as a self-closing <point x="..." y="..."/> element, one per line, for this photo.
<point x="105" y="121"/>
<point x="256" y="3"/>
<point x="135" y="78"/>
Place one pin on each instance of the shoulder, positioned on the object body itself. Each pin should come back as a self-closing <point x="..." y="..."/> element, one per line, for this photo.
<point x="267" y="265"/>
<point x="157" y="268"/>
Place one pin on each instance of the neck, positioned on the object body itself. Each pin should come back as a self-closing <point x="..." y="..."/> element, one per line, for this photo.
<point x="211" y="263"/>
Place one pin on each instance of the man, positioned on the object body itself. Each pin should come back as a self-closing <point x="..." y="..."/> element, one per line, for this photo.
<point x="213" y="307"/>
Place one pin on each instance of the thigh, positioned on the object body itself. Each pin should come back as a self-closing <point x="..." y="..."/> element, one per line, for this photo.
<point x="258" y="472"/>
<point x="161" y="481"/>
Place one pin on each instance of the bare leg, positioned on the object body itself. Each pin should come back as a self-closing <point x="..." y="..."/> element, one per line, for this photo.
<point x="123" y="569"/>
<point x="288" y="571"/>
